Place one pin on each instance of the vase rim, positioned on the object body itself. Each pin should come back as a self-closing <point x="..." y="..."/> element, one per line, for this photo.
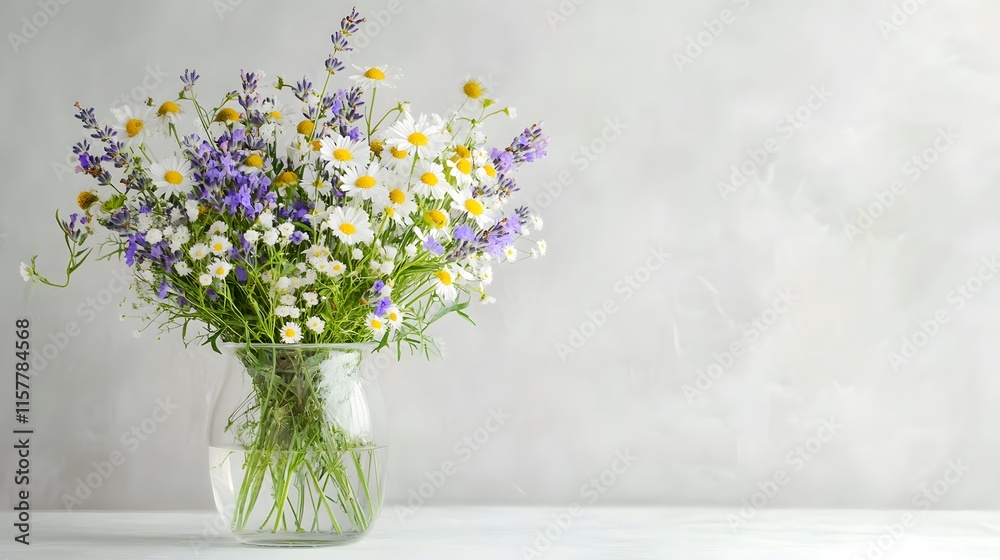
<point x="318" y="345"/>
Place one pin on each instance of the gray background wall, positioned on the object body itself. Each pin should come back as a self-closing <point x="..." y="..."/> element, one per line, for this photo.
<point x="842" y="103"/>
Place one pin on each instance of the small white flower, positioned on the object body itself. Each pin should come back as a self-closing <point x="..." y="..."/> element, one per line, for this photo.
<point x="542" y="246"/>
<point x="510" y="252"/>
<point x="337" y="268"/>
<point x="154" y="236"/>
<point x="136" y="333"/>
<point x="533" y="253"/>
<point x="511" y="112"/>
<point x="387" y="268"/>
<point x="309" y="278"/>
<point x="538" y="223"/>
<point x="27" y="273"/>
<point x="357" y="254"/>
<point x="270" y="237"/>
<point x="266" y="277"/>
<point x="286" y="229"/>
<point x="376" y="324"/>
<point x="287" y="311"/>
<point x="283" y="283"/>
<point x="205" y="279"/>
<point x="316" y="325"/>
<point x="394" y="317"/>
<point x="317" y="251"/>
<point x="486" y="275"/>
<point x="217" y="228"/>
<point x="198" y="251"/>
<point x="266" y="219"/>
<point x="310" y="299"/>
<point x="291" y="333"/>
<point x="144" y="222"/>
<point x="252" y="236"/>
<point x="287" y="299"/>
<point x="390" y="252"/>
<point x="219" y="268"/>
<point x="182" y="268"/>
<point x="191" y="207"/>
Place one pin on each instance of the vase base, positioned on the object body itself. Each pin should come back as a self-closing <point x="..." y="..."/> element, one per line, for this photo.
<point x="297" y="540"/>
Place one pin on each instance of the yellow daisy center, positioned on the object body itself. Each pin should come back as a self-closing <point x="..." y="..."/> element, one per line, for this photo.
<point x="347" y="229"/>
<point x="218" y="247"/>
<point x="376" y="324"/>
<point x="398" y="153"/>
<point x="429" y="179"/>
<point x="393" y="317"/>
<point x="86" y="199"/>
<point x="342" y="154"/>
<point x="436" y="218"/>
<point x="254" y="160"/>
<point x="305" y="127"/>
<point x="173" y="177"/>
<point x="290" y="333"/>
<point x="462" y="152"/>
<point x="490" y="170"/>
<point x="337" y="267"/>
<point x="168" y="108"/>
<point x="286" y="178"/>
<point x="375" y="74"/>
<point x="319" y="183"/>
<point x="377" y="146"/>
<point x="365" y="182"/>
<point x="418" y="139"/>
<point x="276" y="115"/>
<point x="473" y="89"/>
<point x="444" y="277"/>
<point x="464" y="166"/>
<point x="227" y="114"/>
<point x="220" y="271"/>
<point x="390" y="211"/>
<point x="316" y="145"/>
<point x="133" y="127"/>
<point x="397" y="196"/>
<point x="473" y="206"/>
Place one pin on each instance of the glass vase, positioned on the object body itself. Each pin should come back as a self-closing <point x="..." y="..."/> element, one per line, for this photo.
<point x="296" y="445"/>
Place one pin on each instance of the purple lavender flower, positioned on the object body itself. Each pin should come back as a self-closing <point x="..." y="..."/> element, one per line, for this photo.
<point x="382" y="306"/>
<point x="464" y="233"/>
<point x="378" y="286"/>
<point x="189" y="77"/>
<point x="297" y="237"/>
<point x="433" y="246"/>
<point x="161" y="292"/>
<point x="241" y="275"/>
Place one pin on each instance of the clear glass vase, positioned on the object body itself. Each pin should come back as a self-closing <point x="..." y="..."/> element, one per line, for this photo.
<point x="297" y="450"/>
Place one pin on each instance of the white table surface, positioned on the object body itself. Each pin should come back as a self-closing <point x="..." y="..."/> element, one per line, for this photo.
<point x="509" y="532"/>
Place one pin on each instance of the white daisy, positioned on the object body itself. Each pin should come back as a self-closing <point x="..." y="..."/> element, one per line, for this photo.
<point x="317" y="251"/>
<point x="181" y="268"/>
<point x="171" y="176"/>
<point x="291" y="333"/>
<point x="198" y="251"/>
<point x="219" y="268"/>
<point x="394" y="317"/>
<point x="219" y="245"/>
<point x="350" y="225"/>
<point x="399" y="206"/>
<point x="340" y="152"/>
<point x="461" y="170"/>
<point x="417" y="136"/>
<point x="286" y="180"/>
<point x="205" y="279"/>
<point x="537" y="222"/>
<point x="169" y="112"/>
<point x="366" y="184"/>
<point x="315" y="324"/>
<point x="374" y="76"/>
<point x="486" y="173"/>
<point x="253" y="163"/>
<point x="510" y="252"/>
<point x="437" y="221"/>
<point x="542" y="246"/>
<point x="485" y="275"/>
<point x="430" y="180"/>
<point x="474" y="88"/>
<point x="133" y="124"/>
<point x="310" y="299"/>
<point x="376" y="324"/>
<point x="317" y="186"/>
<point x="476" y="209"/>
<point x="397" y="158"/>
<point x="337" y="268"/>
<point x="444" y="284"/>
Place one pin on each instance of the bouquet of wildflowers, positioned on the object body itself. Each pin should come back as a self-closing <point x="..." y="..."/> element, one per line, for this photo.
<point x="299" y="212"/>
<point x="309" y="217"/>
